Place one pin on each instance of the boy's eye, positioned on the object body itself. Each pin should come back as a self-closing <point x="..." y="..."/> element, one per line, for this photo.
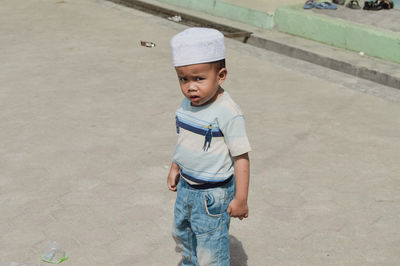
<point x="199" y="78"/>
<point x="182" y="79"/>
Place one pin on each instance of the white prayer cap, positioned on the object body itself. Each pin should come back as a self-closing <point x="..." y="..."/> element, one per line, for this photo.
<point x="196" y="46"/>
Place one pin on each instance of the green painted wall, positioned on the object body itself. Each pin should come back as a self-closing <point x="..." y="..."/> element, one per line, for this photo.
<point x="227" y="10"/>
<point x="333" y="31"/>
<point x="396" y="4"/>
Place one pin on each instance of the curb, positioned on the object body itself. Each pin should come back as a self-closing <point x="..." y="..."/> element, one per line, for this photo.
<point x="372" y="41"/>
<point x="370" y="69"/>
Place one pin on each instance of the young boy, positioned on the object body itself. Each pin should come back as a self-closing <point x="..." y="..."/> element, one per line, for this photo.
<point x="210" y="168"/>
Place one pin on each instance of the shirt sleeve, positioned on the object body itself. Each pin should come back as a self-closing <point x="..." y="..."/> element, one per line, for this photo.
<point x="235" y="136"/>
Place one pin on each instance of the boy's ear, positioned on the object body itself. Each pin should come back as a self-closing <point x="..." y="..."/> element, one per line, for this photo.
<point x="222" y="73"/>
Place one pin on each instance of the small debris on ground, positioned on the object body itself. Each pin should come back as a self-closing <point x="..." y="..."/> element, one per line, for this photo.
<point x="54" y="253"/>
<point x="176" y="18"/>
<point x="147" y="44"/>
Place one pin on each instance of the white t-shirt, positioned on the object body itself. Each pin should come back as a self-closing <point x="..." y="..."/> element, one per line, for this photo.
<point x="208" y="137"/>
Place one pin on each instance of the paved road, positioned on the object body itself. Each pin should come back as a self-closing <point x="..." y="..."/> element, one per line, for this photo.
<point x="87" y="134"/>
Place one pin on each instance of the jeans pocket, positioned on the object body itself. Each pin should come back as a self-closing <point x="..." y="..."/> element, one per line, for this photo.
<point x="207" y="216"/>
<point x="213" y="203"/>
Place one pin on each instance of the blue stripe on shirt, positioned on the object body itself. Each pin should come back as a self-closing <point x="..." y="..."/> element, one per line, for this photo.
<point x="197" y="130"/>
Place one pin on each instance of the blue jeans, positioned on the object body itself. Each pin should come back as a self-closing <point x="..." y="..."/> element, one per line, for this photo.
<point x="201" y="224"/>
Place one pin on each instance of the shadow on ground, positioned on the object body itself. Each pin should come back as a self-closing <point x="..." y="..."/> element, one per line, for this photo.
<point x="238" y="255"/>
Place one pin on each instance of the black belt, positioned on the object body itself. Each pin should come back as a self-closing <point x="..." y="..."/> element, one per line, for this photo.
<point x="211" y="185"/>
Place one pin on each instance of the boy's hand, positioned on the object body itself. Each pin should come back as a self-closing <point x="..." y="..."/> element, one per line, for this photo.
<point x="238" y="208"/>
<point x="173" y="177"/>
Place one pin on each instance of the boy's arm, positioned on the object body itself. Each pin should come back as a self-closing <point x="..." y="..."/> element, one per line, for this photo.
<point x="173" y="177"/>
<point x="238" y="206"/>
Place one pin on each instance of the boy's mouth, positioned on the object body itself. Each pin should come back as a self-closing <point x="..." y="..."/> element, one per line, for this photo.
<point x="194" y="98"/>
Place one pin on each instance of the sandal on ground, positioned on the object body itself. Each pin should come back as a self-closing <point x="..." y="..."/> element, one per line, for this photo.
<point x="353" y="4"/>
<point x="338" y="2"/>
<point x="386" y="4"/>
<point x="372" y="5"/>
<point x="309" y="4"/>
<point x="325" y="5"/>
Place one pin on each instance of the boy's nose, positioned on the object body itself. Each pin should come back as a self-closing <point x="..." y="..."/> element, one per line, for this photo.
<point x="192" y="86"/>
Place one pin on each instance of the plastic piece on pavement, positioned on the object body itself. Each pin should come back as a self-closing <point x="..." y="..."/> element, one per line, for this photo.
<point x="147" y="44"/>
<point x="54" y="253"/>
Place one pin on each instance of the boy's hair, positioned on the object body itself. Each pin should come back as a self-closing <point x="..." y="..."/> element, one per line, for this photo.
<point x="220" y="64"/>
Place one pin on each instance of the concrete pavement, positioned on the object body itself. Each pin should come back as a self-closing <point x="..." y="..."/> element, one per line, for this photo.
<point x="88" y="133"/>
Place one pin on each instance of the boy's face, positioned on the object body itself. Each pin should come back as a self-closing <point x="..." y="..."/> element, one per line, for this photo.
<point x="200" y="83"/>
